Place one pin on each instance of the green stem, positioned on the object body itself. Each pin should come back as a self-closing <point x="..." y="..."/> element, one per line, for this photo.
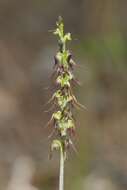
<point x="61" y="174"/>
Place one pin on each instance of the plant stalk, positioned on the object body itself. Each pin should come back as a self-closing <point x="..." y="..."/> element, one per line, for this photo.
<point x="61" y="174"/>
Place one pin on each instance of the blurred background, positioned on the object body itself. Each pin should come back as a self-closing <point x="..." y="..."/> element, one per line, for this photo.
<point x="27" y="47"/>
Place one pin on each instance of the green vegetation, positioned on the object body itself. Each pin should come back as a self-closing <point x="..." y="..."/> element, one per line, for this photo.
<point x="63" y="98"/>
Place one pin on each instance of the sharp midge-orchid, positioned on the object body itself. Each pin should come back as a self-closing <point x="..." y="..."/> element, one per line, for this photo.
<point x="63" y="99"/>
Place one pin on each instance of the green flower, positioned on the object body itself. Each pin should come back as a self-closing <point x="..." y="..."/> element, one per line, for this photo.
<point x="64" y="80"/>
<point x="57" y="115"/>
<point x="64" y="125"/>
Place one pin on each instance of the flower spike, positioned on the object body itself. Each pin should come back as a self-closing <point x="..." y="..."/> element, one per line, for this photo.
<point x="63" y="99"/>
